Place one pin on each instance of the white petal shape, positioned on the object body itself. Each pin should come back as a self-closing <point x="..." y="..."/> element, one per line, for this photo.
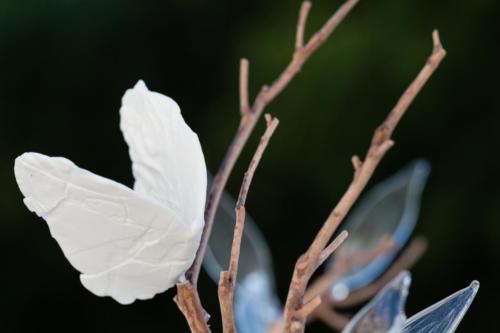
<point x="167" y="160"/>
<point x="385" y="313"/>
<point x="444" y="316"/>
<point x="126" y="245"/>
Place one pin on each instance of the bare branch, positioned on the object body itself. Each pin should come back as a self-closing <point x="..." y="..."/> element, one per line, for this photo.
<point x="381" y="143"/>
<point x="227" y="279"/>
<point x="247" y="124"/>
<point x="301" y="25"/>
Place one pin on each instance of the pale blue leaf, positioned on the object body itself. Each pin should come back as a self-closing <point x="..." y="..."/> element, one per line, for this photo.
<point x="390" y="209"/>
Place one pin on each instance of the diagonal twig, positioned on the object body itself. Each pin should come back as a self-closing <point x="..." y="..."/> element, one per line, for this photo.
<point x="227" y="279"/>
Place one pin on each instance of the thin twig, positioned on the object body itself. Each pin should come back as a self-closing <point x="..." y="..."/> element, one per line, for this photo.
<point x="327" y="252"/>
<point x="381" y="143"/>
<point x="227" y="279"/>
<point x="301" y="25"/>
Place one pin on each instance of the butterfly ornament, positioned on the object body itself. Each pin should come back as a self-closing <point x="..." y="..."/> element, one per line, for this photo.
<point x="127" y="244"/>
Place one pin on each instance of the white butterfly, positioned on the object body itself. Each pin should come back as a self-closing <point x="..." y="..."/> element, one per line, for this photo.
<point x="128" y="244"/>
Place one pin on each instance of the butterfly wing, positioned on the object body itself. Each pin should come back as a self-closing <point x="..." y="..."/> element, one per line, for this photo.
<point x="167" y="160"/>
<point x="444" y="316"/>
<point x="125" y="245"/>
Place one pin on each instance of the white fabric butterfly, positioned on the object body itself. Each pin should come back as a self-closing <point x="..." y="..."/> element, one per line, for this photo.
<point x="128" y="244"/>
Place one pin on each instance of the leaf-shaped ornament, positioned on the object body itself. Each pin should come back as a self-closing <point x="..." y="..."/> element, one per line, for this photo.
<point x="389" y="210"/>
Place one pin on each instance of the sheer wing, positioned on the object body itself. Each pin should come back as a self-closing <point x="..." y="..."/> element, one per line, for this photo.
<point x="167" y="160"/>
<point x="444" y="316"/>
<point x="125" y="245"/>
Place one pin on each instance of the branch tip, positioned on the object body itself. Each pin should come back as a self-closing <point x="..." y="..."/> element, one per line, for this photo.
<point x="334" y="245"/>
<point x="356" y="162"/>
<point x="301" y="25"/>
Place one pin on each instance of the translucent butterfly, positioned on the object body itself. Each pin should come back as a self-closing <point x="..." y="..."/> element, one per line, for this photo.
<point x="127" y="244"/>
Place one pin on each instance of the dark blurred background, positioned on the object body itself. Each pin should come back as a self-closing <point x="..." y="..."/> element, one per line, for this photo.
<point x="65" y="64"/>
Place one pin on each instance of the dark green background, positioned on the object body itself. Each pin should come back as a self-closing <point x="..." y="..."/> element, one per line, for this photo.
<point x="64" y="66"/>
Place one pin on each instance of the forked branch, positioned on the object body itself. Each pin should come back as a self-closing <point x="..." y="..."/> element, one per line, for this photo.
<point x="250" y="114"/>
<point x="227" y="279"/>
<point x="380" y="144"/>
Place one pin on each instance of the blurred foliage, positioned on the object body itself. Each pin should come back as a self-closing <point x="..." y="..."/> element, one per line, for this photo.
<point x="65" y="64"/>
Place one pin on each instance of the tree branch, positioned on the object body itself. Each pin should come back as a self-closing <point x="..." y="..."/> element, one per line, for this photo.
<point x="247" y="124"/>
<point x="381" y="143"/>
<point x="227" y="279"/>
